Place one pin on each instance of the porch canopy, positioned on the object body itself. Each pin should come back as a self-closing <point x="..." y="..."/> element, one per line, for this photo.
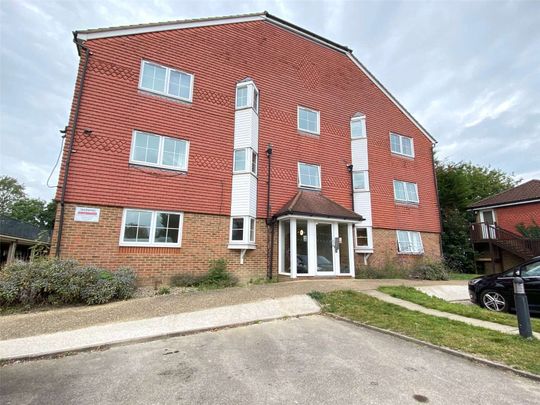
<point x="315" y="236"/>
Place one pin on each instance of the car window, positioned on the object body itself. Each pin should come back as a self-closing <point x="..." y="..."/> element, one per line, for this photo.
<point x="509" y="273"/>
<point x="531" y="270"/>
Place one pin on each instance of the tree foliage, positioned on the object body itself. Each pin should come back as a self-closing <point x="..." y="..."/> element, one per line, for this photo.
<point x="461" y="184"/>
<point x="531" y="231"/>
<point x="15" y="203"/>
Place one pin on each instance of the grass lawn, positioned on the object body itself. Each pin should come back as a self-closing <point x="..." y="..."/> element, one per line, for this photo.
<point x="462" y="276"/>
<point x="471" y="311"/>
<point x="508" y="349"/>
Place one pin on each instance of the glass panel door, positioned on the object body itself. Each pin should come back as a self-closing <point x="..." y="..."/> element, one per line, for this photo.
<point x="285" y="245"/>
<point x="301" y="246"/>
<point x="343" y="233"/>
<point x="325" y="250"/>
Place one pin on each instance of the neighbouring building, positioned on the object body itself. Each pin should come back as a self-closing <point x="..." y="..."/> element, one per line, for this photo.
<point x="246" y="138"/>
<point x="495" y="234"/>
<point x="18" y="238"/>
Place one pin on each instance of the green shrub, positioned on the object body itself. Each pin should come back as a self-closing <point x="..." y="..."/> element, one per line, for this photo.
<point x="430" y="271"/>
<point x="389" y="269"/>
<point x="55" y="281"/>
<point x="164" y="290"/>
<point x="217" y="277"/>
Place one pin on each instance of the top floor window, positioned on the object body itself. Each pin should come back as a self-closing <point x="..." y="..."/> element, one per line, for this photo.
<point x="308" y="120"/>
<point x="309" y="176"/>
<point x="247" y="95"/>
<point x="166" y="81"/>
<point x="242" y="97"/>
<point x="358" y="126"/>
<point x="402" y="145"/>
<point x="160" y="151"/>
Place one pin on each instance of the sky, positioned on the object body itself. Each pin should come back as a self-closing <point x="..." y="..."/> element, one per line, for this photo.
<point x="469" y="72"/>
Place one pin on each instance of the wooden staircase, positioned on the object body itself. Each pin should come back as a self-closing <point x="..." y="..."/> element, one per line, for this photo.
<point x="518" y="245"/>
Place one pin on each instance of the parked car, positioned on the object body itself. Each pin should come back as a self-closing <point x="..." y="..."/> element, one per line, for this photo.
<point x="496" y="291"/>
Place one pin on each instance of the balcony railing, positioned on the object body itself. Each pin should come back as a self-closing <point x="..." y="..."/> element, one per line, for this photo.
<point x="492" y="233"/>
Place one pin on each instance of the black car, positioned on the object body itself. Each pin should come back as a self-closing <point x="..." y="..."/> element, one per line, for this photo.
<point x="496" y="291"/>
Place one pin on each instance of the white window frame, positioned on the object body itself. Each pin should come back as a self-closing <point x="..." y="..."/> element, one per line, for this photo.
<point x="252" y="94"/>
<point x="160" y="152"/>
<point x="401" y="137"/>
<point x="364" y="129"/>
<point x="366" y="180"/>
<point x="300" y="178"/>
<point x="408" y="200"/>
<point x="246" y="236"/>
<point x="151" y="243"/>
<point x="249" y="153"/>
<point x="318" y="130"/>
<point x="167" y="77"/>
<point x="240" y="107"/>
<point x="410" y="243"/>
<point x="368" y="244"/>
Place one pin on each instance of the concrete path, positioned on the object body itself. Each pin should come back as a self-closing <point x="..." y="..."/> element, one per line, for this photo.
<point x="308" y="360"/>
<point x="148" y="329"/>
<point x="452" y="293"/>
<point x="471" y="321"/>
<point x="57" y="320"/>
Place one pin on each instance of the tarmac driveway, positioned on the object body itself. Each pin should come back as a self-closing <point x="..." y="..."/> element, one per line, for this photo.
<point x="307" y="360"/>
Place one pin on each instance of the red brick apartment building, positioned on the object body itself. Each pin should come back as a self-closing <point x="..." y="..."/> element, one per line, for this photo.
<point x="246" y="138"/>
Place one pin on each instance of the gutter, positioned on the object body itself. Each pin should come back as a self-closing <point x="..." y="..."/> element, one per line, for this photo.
<point x="87" y="54"/>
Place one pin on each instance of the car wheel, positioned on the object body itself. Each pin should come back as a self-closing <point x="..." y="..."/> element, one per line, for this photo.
<point x="494" y="301"/>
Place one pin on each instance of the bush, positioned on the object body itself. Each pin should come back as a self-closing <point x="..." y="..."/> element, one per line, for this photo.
<point x="55" y="281"/>
<point x="164" y="291"/>
<point x="430" y="271"/>
<point x="217" y="277"/>
<point x="389" y="269"/>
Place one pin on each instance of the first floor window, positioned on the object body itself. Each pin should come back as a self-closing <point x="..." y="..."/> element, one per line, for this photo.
<point x="360" y="182"/>
<point x="167" y="81"/>
<point x="308" y="120"/>
<point x="309" y="176"/>
<point x="362" y="237"/>
<point x="161" y="151"/>
<point x="405" y="192"/>
<point x="243" y="229"/>
<point x="245" y="160"/>
<point x="409" y="242"/>
<point x="402" y="145"/>
<point x="149" y="228"/>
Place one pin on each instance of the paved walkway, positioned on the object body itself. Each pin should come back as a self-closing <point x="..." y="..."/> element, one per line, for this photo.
<point x="452" y="293"/>
<point x="153" y="328"/>
<point x="37" y="323"/>
<point x="471" y="321"/>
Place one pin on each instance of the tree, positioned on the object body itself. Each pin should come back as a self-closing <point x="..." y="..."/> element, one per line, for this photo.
<point x="10" y="192"/>
<point x="461" y="184"/>
<point x="16" y="204"/>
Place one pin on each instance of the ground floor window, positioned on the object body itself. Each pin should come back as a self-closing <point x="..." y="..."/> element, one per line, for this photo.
<point x="362" y="237"/>
<point x="151" y="228"/>
<point x="409" y="242"/>
<point x="242" y="230"/>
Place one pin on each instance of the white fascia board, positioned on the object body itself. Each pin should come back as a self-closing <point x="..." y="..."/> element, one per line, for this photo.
<point x="390" y="96"/>
<point x="488" y="207"/>
<point x="157" y="28"/>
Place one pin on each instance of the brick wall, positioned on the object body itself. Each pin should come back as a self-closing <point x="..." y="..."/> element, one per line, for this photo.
<point x="385" y="249"/>
<point x="205" y="237"/>
<point x="509" y="217"/>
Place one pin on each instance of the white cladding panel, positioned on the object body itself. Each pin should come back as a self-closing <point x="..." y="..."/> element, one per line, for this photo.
<point x="359" y="154"/>
<point x="240" y="201"/>
<point x="362" y="206"/>
<point x="252" y="196"/>
<point x="246" y="129"/>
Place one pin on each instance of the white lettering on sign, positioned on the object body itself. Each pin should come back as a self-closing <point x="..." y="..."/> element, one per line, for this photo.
<point x="87" y="214"/>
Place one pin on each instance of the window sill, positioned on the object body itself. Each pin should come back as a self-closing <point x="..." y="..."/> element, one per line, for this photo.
<point x="308" y="133"/>
<point x="354" y="138"/>
<point x="411" y="253"/>
<point x="401" y="155"/>
<point x="242" y="245"/>
<point x="137" y="165"/>
<point x="309" y="188"/>
<point x="150" y="245"/>
<point x="166" y="96"/>
<point x="407" y="204"/>
<point x="363" y="250"/>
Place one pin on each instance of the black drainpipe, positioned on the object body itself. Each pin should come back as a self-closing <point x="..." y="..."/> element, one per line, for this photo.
<point x="269" y="221"/>
<point x="350" y="169"/>
<point x="70" y="146"/>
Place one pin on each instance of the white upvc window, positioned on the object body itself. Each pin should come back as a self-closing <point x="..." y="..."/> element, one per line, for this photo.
<point x="242" y="230"/>
<point x="159" y="151"/>
<point x="247" y="95"/>
<point x="361" y="239"/>
<point x="405" y="192"/>
<point x="358" y="127"/>
<point x="151" y="228"/>
<point x="166" y="81"/>
<point x="409" y="242"/>
<point x="309" y="120"/>
<point x="309" y="175"/>
<point x="360" y="181"/>
<point x="245" y="160"/>
<point x="401" y="145"/>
